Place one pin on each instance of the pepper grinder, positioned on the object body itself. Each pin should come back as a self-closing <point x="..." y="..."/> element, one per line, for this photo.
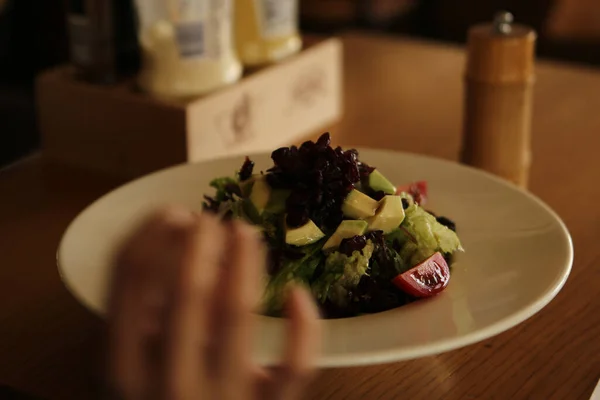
<point x="498" y="98"/>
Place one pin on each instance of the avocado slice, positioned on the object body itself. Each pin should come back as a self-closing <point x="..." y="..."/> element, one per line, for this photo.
<point x="276" y="203"/>
<point x="377" y="182"/>
<point x="389" y="215"/>
<point x="260" y="194"/>
<point x="358" y="205"/>
<point x="246" y="186"/>
<point x="347" y="229"/>
<point x="306" y="234"/>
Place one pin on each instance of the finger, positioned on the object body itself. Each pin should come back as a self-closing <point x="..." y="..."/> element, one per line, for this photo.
<point x="193" y="289"/>
<point x="135" y="295"/>
<point x="239" y="292"/>
<point x="304" y="340"/>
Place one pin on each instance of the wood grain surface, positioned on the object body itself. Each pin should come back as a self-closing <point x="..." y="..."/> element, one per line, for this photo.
<point x="400" y="94"/>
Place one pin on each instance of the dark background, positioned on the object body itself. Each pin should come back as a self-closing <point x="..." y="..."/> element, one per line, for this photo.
<point x="33" y="36"/>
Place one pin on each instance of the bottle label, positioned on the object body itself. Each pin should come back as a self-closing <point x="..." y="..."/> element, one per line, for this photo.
<point x="191" y="40"/>
<point x="277" y="18"/>
<point x="202" y="28"/>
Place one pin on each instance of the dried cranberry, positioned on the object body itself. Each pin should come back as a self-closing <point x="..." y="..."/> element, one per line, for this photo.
<point x="299" y="198"/>
<point x="308" y="148"/>
<point x="448" y="223"/>
<point x="379" y="195"/>
<point x="351" y="173"/>
<point x="318" y="197"/>
<point x="335" y="173"/>
<point x="280" y="180"/>
<point x="330" y="154"/>
<point x="321" y="164"/>
<point x="232" y="188"/>
<point x="281" y="156"/>
<point x="296" y="218"/>
<point x="333" y="219"/>
<point x="405" y="203"/>
<point x="336" y="186"/>
<point x="274" y="180"/>
<point x="246" y="170"/>
<point x="376" y="237"/>
<point x="356" y="243"/>
<point x="365" y="170"/>
<point x="319" y="178"/>
<point x="353" y="153"/>
<point x="324" y="140"/>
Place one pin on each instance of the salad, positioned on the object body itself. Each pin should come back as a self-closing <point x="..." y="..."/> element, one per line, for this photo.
<point x="340" y="227"/>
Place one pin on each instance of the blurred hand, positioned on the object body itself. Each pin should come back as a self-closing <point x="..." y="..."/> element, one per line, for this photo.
<point x="181" y="315"/>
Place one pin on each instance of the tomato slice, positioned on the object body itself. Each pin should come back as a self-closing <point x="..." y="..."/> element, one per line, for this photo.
<point x="418" y="190"/>
<point x="426" y="279"/>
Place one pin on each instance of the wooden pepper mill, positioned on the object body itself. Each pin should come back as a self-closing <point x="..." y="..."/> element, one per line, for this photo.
<point x="498" y="98"/>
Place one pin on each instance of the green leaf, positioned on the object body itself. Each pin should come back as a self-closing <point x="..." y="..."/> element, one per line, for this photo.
<point x="342" y="273"/>
<point x="429" y="236"/>
<point x="399" y="236"/>
<point x="293" y="271"/>
<point x="273" y="227"/>
<point x="220" y="185"/>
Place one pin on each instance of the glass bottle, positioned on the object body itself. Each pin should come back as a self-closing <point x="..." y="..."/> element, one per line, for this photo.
<point x="266" y="31"/>
<point x="187" y="47"/>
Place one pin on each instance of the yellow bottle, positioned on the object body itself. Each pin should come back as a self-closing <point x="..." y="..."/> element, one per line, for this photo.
<point x="187" y="47"/>
<point x="266" y="31"/>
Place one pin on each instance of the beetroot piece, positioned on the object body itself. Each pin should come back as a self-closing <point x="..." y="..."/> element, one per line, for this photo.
<point x="356" y="243"/>
<point x="246" y="170"/>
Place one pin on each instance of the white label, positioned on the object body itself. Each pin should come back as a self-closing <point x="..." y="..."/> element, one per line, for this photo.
<point x="219" y="37"/>
<point x="278" y="18"/>
<point x="202" y="28"/>
<point x="191" y="39"/>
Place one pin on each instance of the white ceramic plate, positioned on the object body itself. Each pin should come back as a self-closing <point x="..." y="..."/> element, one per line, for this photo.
<point x="518" y="256"/>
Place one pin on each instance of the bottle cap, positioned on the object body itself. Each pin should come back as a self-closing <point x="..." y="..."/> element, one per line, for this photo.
<point x="501" y="51"/>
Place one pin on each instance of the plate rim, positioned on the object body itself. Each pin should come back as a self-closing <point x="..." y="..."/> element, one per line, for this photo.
<point x="393" y="354"/>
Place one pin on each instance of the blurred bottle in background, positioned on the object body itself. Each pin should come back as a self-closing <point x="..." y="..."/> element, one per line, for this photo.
<point x="32" y="38"/>
<point x="266" y="30"/>
<point x="187" y="47"/>
<point x="103" y="41"/>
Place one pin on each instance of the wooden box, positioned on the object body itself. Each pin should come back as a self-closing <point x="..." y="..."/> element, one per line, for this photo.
<point x="121" y="131"/>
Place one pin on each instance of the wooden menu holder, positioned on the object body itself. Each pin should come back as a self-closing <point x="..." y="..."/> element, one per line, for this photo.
<point x="118" y="130"/>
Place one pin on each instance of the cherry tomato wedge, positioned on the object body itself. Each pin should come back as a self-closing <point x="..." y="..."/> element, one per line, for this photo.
<point x="426" y="279"/>
<point x="418" y="190"/>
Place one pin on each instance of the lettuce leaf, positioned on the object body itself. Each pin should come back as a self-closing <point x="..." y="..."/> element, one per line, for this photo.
<point x="429" y="236"/>
<point x="387" y="263"/>
<point x="221" y="185"/>
<point x="298" y="271"/>
<point x="341" y="274"/>
<point x="398" y="237"/>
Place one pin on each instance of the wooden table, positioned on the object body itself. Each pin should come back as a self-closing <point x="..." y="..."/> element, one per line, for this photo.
<point x="400" y="94"/>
